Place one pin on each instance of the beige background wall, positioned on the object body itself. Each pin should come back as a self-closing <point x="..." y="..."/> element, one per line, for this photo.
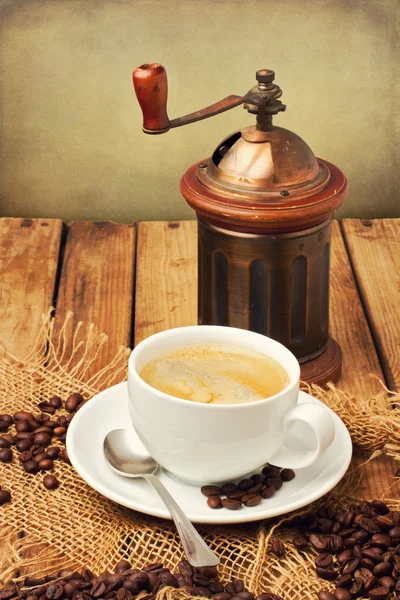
<point x="71" y="142"/>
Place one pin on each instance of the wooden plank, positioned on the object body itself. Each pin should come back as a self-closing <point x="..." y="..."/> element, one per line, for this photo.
<point x="166" y="279"/>
<point x="166" y="296"/>
<point x="96" y="283"/>
<point x="348" y="325"/>
<point x="29" y="250"/>
<point x="374" y="248"/>
<point x="360" y="360"/>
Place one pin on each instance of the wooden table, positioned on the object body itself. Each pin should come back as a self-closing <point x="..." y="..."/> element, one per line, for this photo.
<point x="134" y="280"/>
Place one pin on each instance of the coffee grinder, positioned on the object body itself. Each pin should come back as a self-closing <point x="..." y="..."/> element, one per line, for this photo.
<point x="264" y="205"/>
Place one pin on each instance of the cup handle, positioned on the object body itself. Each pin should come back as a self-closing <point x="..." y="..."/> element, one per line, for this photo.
<point x="320" y="421"/>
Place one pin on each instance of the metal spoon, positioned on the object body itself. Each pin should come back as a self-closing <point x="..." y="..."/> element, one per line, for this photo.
<point x="126" y="461"/>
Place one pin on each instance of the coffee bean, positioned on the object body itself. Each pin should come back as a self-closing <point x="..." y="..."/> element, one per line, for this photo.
<point x="22" y="426"/>
<point x="363" y="574"/>
<point x="320" y="543"/>
<point x="8" y="592"/>
<point x="349" y="542"/>
<point x="5" y="497"/>
<point x="336" y="527"/>
<point x="31" y="466"/>
<point x="50" y="482"/>
<point x="64" y="456"/>
<point x="53" y="452"/>
<point x="222" y="596"/>
<point x="394" y="533"/>
<point x="335" y="543"/>
<point x="258" y="478"/>
<point x="239" y="585"/>
<point x="251" y="499"/>
<point x="387" y="582"/>
<point x="380" y="507"/>
<point x="34" y="581"/>
<point x="348" y="518"/>
<point x="199" y="580"/>
<point x="56" y="402"/>
<point x="46" y="407"/>
<point x="59" y="431"/>
<point x="356" y="587"/>
<point x="369" y="525"/>
<point x="40" y="456"/>
<point x="326" y="595"/>
<point x="98" y="589"/>
<point x="210" y="490"/>
<point x="228" y="488"/>
<point x="42" y="439"/>
<point x="379" y="593"/>
<point x="4" y="426"/>
<point x="351" y="566"/>
<point x="168" y="579"/>
<point x="23" y="415"/>
<point x="6" y="455"/>
<point x="381" y="539"/>
<point x="209" y="572"/>
<point x="72" y="402"/>
<point x="231" y="504"/>
<point x="367" y="563"/>
<point x="346" y="533"/>
<point x="327" y="574"/>
<point x="382" y="569"/>
<point x="5" y="418"/>
<point x="300" y="542"/>
<point x="361" y="536"/>
<point x="54" y="591"/>
<point x="341" y="593"/>
<point x="277" y="547"/>
<point x="214" y="502"/>
<point x="70" y="588"/>
<point x="268" y="492"/>
<point x="230" y="588"/>
<point x="277" y="483"/>
<point x="244" y="595"/>
<point x="287" y="474"/>
<point x="373" y="554"/>
<point x="131" y="586"/>
<point x="185" y="568"/>
<point x="44" y="429"/>
<point x="24" y="456"/>
<point x="216" y="587"/>
<point x="324" y="560"/>
<point x="45" y="464"/>
<point x="255" y="489"/>
<point x="7" y="440"/>
<point x="370" y="584"/>
<point x="344" y="580"/>
<point x="23" y="436"/>
<point x="245" y="484"/>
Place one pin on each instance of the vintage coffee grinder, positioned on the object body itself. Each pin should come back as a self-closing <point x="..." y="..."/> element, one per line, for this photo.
<point x="264" y="205"/>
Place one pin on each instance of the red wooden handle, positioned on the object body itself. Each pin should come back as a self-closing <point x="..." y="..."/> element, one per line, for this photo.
<point x="151" y="87"/>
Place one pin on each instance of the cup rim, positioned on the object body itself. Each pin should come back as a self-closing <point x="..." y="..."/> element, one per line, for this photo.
<point x="132" y="372"/>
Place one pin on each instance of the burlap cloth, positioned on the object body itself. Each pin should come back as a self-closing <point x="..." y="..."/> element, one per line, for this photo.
<point x="74" y="527"/>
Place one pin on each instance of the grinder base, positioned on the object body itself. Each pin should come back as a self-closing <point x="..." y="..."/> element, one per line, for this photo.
<point x="326" y="367"/>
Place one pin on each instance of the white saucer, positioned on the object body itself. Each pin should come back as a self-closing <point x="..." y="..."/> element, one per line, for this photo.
<point x="108" y="410"/>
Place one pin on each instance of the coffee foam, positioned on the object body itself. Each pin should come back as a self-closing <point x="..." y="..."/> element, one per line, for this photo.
<point x="216" y="374"/>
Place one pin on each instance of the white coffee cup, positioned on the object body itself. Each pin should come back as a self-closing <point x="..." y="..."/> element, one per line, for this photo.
<point x="210" y="443"/>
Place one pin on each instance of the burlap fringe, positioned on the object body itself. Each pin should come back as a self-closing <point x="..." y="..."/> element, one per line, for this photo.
<point x="74" y="526"/>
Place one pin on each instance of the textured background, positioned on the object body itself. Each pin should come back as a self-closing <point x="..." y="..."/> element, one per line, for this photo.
<point x="71" y="142"/>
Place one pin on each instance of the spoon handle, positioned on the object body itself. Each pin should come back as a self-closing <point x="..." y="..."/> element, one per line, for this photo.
<point x="197" y="551"/>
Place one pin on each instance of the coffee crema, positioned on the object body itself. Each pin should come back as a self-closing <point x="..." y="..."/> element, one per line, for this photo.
<point x="216" y="373"/>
